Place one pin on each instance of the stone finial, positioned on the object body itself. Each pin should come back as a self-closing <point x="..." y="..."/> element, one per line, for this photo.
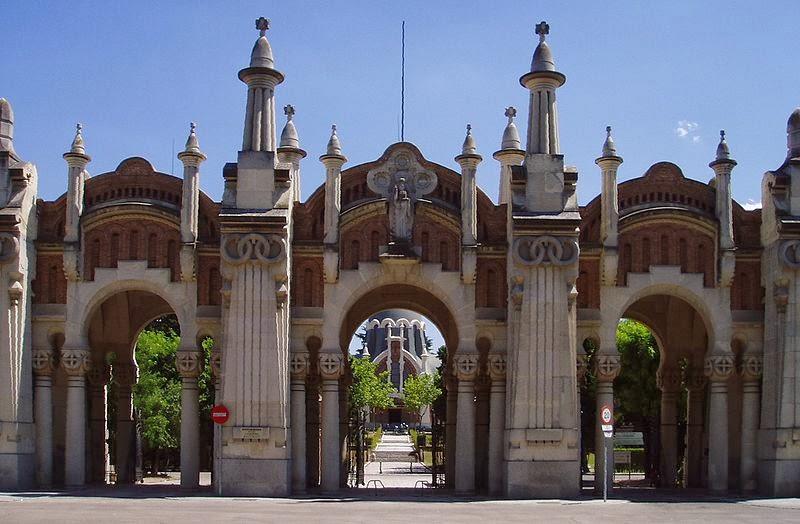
<point x="261" y="56"/>
<point x="542" y="57"/>
<point x="191" y="155"/>
<point x="723" y="161"/>
<point x="609" y="147"/>
<point x="192" y="146"/>
<point x="723" y="151"/>
<point x="6" y="126"/>
<point x="510" y="134"/>
<point x="542" y="29"/>
<point x="334" y="146"/>
<point x="793" y="134"/>
<point x="469" y="147"/>
<point x="289" y="136"/>
<point x="77" y="143"/>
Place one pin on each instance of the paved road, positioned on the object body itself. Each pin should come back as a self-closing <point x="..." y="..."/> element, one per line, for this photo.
<point x="152" y="506"/>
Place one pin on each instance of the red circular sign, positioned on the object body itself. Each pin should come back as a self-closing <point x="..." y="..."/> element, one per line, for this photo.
<point x="605" y="415"/>
<point x="220" y="414"/>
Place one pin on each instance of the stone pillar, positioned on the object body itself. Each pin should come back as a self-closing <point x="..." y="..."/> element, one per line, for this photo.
<point x="718" y="369"/>
<point x="191" y="158"/>
<point x="298" y="367"/>
<point x="312" y="429"/>
<point x="510" y="154"/>
<point x="99" y="376"/>
<point x="216" y="373"/>
<point x="497" y="421"/>
<point x="43" y="368"/>
<point x="695" y="405"/>
<point x="752" y="366"/>
<point x="609" y="163"/>
<point x="333" y="160"/>
<point x="330" y="368"/>
<point x="125" y="376"/>
<point x="76" y="363"/>
<point x="668" y="380"/>
<point x="466" y="369"/>
<point x="450" y="430"/>
<point x="607" y="367"/>
<point x="189" y="364"/>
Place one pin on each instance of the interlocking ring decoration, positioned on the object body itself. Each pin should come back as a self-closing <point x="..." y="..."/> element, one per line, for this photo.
<point x="607" y="367"/>
<point x="43" y="362"/>
<point x="298" y="365"/>
<point x="497" y="366"/>
<point x="75" y="361"/>
<point x="330" y="366"/>
<point x="719" y="367"/>
<point x="9" y="247"/>
<point x="545" y="250"/>
<point x="790" y="253"/>
<point x="253" y="247"/>
<point x="752" y="367"/>
<point x="188" y="363"/>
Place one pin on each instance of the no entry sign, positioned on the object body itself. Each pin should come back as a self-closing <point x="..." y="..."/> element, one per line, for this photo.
<point x="606" y="417"/>
<point x="220" y="414"/>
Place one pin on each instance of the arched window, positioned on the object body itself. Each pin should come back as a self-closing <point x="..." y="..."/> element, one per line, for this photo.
<point x="444" y="256"/>
<point x="214" y="286"/>
<point x="665" y="250"/>
<point x="152" y="250"/>
<point x="374" y="244"/>
<point x="52" y="284"/>
<point x="683" y="254"/>
<point x="308" y="287"/>
<point x="492" y="289"/>
<point x="133" y="245"/>
<point x="172" y="257"/>
<point x="355" y="252"/>
<point x="114" y="249"/>
<point x="645" y="255"/>
<point x="426" y="248"/>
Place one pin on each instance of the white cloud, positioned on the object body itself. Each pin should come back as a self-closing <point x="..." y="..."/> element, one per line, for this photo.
<point x="688" y="129"/>
<point x="751" y="205"/>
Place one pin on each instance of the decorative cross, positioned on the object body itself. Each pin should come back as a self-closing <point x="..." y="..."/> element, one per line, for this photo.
<point x="192" y="127"/>
<point x="511" y="112"/>
<point x="608" y="131"/>
<point x="288" y="110"/>
<point x="469" y="129"/>
<point x="262" y="24"/>
<point x="722" y="135"/>
<point x="542" y="29"/>
<point x="79" y="128"/>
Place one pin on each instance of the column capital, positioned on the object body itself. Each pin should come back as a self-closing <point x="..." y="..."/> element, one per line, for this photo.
<point x="189" y="363"/>
<point x="581" y="366"/>
<point x="216" y="363"/>
<point x="465" y="366"/>
<point x="668" y="379"/>
<point x="298" y="365"/>
<point x="719" y="368"/>
<point x="75" y="361"/>
<point x="496" y="365"/>
<point x="125" y="373"/>
<point x="99" y="374"/>
<point x="43" y="362"/>
<point x="607" y="367"/>
<point x="694" y="378"/>
<point x="331" y="366"/>
<point x="752" y="367"/>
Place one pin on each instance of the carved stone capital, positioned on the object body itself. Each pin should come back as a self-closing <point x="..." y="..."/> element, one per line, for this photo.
<point x="695" y="379"/>
<point x="253" y="248"/>
<point x="125" y="373"/>
<point x="43" y="362"/>
<point x="607" y="367"/>
<point x="75" y="361"/>
<point x="719" y="368"/>
<point x="331" y="366"/>
<point x="99" y="374"/>
<point x="668" y="379"/>
<point x="298" y="365"/>
<point x="216" y="363"/>
<point x="752" y="367"/>
<point x="9" y="247"/>
<point x="581" y="367"/>
<point x="789" y="254"/>
<point x="496" y="366"/>
<point x="545" y="250"/>
<point x="465" y="367"/>
<point x="189" y="363"/>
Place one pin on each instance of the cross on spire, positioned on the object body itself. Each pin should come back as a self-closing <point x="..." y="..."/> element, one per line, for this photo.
<point x="262" y="24"/>
<point x="511" y="112"/>
<point x="542" y="29"/>
<point x="288" y="110"/>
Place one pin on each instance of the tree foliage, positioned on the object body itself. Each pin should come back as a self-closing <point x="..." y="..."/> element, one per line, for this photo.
<point x="369" y="389"/>
<point x="420" y="392"/>
<point x="635" y="389"/>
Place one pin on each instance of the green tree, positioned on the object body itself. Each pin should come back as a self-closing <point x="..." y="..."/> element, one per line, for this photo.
<point x="419" y="393"/>
<point x="369" y="389"/>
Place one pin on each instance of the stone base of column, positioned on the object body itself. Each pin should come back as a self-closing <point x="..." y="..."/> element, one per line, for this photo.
<point x="778" y="475"/>
<point x="542" y="479"/>
<point x="247" y="477"/>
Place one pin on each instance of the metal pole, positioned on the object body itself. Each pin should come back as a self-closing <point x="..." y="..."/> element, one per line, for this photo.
<point x="605" y="469"/>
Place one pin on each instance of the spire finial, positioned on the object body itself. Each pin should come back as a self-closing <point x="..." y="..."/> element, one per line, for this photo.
<point x="77" y="143"/>
<point x="510" y="134"/>
<point x="511" y="112"/>
<point x="288" y="110"/>
<point x="334" y="146"/>
<point x="192" y="145"/>
<point x="289" y="136"/>
<point x="262" y="24"/>
<point x="469" y="147"/>
<point x="609" y="147"/>
<point x="542" y="29"/>
<point x="723" y="151"/>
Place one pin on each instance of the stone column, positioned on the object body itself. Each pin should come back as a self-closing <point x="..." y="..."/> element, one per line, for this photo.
<point x="450" y="429"/>
<point x="43" y="368"/>
<point x="752" y="366"/>
<point x="695" y="405"/>
<point x="668" y="380"/>
<point x="330" y="368"/>
<point x="191" y="158"/>
<point x="189" y="364"/>
<point x="216" y="373"/>
<point x="99" y="376"/>
<point x="466" y="369"/>
<point x="497" y="421"/>
<point x="581" y="369"/>
<point x="125" y="376"/>
<point x="607" y="367"/>
<point x="718" y="369"/>
<point x="298" y="367"/>
<point x="76" y="363"/>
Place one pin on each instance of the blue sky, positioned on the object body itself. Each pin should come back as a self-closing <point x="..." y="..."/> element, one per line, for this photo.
<point x="136" y="73"/>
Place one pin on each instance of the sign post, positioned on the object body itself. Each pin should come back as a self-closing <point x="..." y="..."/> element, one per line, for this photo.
<point x="606" y="424"/>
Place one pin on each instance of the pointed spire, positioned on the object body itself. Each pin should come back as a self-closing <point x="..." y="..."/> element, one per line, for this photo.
<point x="334" y="146"/>
<point x="261" y="56"/>
<point x="469" y="147"/>
<point x="77" y="143"/>
<point x="510" y="134"/>
<point x="192" y="146"/>
<point x="723" y="151"/>
<point x="6" y="127"/>
<point x="542" y="57"/>
<point x="609" y="147"/>
<point x="289" y="136"/>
